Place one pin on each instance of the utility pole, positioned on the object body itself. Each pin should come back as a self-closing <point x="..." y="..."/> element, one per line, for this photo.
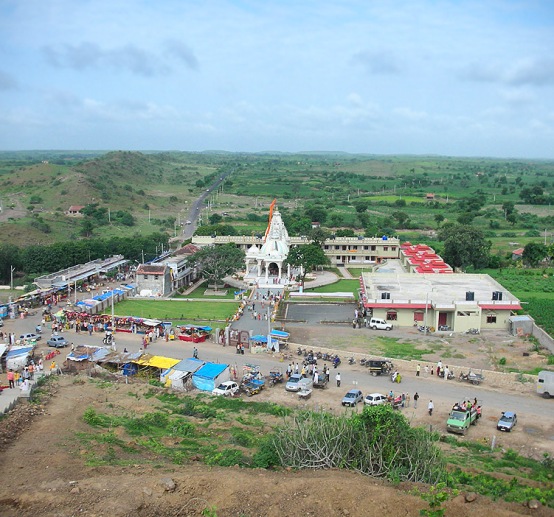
<point x="12" y="269"/>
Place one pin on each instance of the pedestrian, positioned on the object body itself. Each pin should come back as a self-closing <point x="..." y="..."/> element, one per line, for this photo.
<point x="337" y="378"/>
<point x="426" y="370"/>
<point x="416" y="397"/>
<point x="11" y="379"/>
<point x="403" y="399"/>
<point x="446" y="371"/>
<point x="327" y="372"/>
<point x="303" y="372"/>
<point x="430" y="407"/>
<point x="407" y="400"/>
<point x="418" y="369"/>
<point x="195" y="353"/>
<point x="439" y="367"/>
<point x="296" y="368"/>
<point x="53" y="367"/>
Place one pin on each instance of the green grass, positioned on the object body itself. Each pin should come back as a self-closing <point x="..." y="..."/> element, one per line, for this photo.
<point x="395" y="349"/>
<point x="198" y="293"/>
<point x="344" y="285"/>
<point x="176" y="310"/>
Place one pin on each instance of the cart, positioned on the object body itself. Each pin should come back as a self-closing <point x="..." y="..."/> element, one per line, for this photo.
<point x="473" y="378"/>
<point x="304" y="394"/>
<point x="253" y="386"/>
<point x="275" y="376"/>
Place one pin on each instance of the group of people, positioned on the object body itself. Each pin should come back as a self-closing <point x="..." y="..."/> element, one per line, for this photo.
<point x="441" y="371"/>
<point x="309" y="370"/>
<point x="22" y="378"/>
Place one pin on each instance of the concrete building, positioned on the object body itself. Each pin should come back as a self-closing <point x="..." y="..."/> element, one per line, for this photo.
<point x="154" y="280"/>
<point x="455" y="302"/>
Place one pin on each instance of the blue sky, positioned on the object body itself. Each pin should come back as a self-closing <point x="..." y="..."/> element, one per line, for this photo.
<point x="459" y="78"/>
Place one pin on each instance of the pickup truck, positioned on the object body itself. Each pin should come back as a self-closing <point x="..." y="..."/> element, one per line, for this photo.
<point x="460" y="419"/>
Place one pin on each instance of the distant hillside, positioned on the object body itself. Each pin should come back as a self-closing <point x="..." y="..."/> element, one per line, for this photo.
<point x="152" y="187"/>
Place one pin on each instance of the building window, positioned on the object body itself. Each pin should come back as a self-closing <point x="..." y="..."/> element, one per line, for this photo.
<point x="491" y="318"/>
<point x="344" y="248"/>
<point x="337" y="247"/>
<point x="392" y="316"/>
<point x="418" y="316"/>
<point x="385" y="248"/>
<point x="367" y="258"/>
<point x="156" y="277"/>
<point x="393" y="248"/>
<point x="366" y="247"/>
<point x="326" y="247"/>
<point x="146" y="277"/>
<point x="373" y="248"/>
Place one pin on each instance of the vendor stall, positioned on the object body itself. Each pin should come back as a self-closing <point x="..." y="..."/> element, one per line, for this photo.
<point x="193" y="333"/>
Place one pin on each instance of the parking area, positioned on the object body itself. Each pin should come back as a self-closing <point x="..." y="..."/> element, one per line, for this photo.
<point x="315" y="313"/>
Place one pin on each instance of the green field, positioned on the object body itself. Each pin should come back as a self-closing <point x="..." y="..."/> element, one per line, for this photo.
<point x="534" y="288"/>
<point x="183" y="311"/>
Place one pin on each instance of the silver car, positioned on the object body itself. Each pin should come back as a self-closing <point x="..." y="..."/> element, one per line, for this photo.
<point x="352" y="398"/>
<point x="298" y="383"/>
<point x="507" y="421"/>
<point x="375" y="399"/>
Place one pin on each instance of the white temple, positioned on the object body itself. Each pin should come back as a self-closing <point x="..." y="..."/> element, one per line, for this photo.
<point x="268" y="260"/>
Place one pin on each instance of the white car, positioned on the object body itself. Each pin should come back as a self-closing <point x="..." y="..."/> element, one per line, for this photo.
<point x="226" y="388"/>
<point x="31" y="336"/>
<point x="375" y="399"/>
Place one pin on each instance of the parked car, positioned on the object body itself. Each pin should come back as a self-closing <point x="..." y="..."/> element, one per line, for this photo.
<point x="507" y="421"/>
<point x="379" y="324"/>
<point x="298" y="383"/>
<point x="30" y="336"/>
<point x="375" y="399"/>
<point x="352" y="398"/>
<point x="226" y="388"/>
<point x="57" y="342"/>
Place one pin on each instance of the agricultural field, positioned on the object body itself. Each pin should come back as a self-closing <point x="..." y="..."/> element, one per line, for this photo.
<point x="535" y="289"/>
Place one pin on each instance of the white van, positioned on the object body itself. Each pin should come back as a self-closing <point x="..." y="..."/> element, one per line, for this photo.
<point x="545" y="384"/>
<point x="379" y="324"/>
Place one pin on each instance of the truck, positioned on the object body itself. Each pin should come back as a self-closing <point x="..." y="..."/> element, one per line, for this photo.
<point x="545" y="384"/>
<point x="460" y="419"/>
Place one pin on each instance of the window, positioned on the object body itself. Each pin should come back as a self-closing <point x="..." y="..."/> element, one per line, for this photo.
<point x="418" y="316"/>
<point x="337" y="247"/>
<point x="385" y="248"/>
<point x="156" y="277"/>
<point x="367" y="258"/>
<point x="392" y="316"/>
<point x="146" y="277"/>
<point x="366" y="247"/>
<point x="393" y="248"/>
<point x="491" y="318"/>
<point x="373" y="248"/>
<point x="326" y="247"/>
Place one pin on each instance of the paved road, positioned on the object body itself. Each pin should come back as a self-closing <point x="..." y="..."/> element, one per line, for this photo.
<point x="530" y="408"/>
<point x="196" y="207"/>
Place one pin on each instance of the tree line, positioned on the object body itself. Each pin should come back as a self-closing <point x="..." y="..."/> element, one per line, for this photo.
<point x="32" y="261"/>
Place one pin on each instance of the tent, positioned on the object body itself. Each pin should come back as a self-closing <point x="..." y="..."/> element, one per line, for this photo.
<point x="178" y="375"/>
<point x="210" y="376"/>
<point x="154" y="365"/>
<point x="17" y="357"/>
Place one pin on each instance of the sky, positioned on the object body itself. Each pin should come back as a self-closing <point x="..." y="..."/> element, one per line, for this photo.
<point x="446" y="77"/>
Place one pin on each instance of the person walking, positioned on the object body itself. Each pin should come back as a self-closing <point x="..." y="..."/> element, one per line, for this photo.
<point x="11" y="379"/>
<point x="416" y="398"/>
<point x="430" y="407"/>
<point x="337" y="378"/>
<point x="418" y="369"/>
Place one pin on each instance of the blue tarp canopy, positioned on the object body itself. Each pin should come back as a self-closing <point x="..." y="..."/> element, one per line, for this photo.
<point x="261" y="339"/>
<point x="279" y="334"/>
<point x="93" y="353"/>
<point x="205" y="329"/>
<point x="108" y="294"/>
<point x="19" y="351"/>
<point x="206" y="378"/>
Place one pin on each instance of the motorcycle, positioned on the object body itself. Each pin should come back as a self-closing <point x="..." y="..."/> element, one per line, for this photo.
<point x="336" y="361"/>
<point x="363" y="361"/>
<point x="351" y="360"/>
<point x="300" y="351"/>
<point x="473" y="331"/>
<point x="38" y="329"/>
<point x="318" y="355"/>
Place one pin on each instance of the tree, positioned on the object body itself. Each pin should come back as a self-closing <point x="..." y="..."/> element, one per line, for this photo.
<point x="215" y="218"/>
<point x="309" y="256"/>
<point x="216" y="262"/>
<point x="439" y="218"/>
<point x="533" y="253"/>
<point x="361" y="206"/>
<point x="464" y="246"/>
<point x="401" y="217"/>
<point x="318" y="236"/>
<point x="316" y="213"/>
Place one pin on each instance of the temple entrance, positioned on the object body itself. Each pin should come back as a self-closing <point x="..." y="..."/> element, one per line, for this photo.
<point x="273" y="269"/>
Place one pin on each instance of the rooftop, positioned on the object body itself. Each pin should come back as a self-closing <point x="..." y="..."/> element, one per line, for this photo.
<point x="405" y="289"/>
